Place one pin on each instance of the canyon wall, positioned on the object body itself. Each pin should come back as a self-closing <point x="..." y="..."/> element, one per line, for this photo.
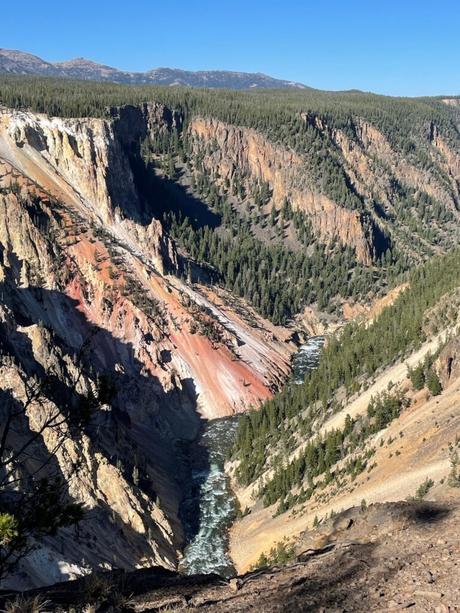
<point x="85" y="286"/>
<point x="91" y="282"/>
<point x="380" y="175"/>
<point x="249" y="152"/>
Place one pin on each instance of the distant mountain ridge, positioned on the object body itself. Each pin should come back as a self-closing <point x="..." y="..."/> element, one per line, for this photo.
<point x="21" y="63"/>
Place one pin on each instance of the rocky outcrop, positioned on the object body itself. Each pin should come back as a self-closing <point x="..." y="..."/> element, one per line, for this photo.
<point x="80" y="153"/>
<point x="448" y="362"/>
<point x="55" y="302"/>
<point x="92" y="157"/>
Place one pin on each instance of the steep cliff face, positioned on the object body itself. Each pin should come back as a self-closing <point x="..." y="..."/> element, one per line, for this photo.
<point x="389" y="184"/>
<point x="88" y="163"/>
<point x="82" y="176"/>
<point x="244" y="150"/>
<point x="55" y="301"/>
<point x="84" y="284"/>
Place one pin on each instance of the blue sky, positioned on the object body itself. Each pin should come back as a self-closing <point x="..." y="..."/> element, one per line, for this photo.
<point x="401" y="48"/>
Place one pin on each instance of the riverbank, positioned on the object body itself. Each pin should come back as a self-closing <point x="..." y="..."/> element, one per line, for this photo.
<point x="304" y="360"/>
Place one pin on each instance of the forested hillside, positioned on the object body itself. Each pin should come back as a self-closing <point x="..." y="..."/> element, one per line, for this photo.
<point x="349" y="361"/>
<point x="269" y="256"/>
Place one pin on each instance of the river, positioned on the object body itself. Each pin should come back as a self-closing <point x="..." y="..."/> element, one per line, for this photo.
<point x="306" y="358"/>
<point x="210" y="510"/>
<point x="212" y="497"/>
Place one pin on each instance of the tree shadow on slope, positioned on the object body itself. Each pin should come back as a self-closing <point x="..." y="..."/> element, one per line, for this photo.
<point x="427" y="513"/>
<point x="341" y="580"/>
<point x="160" y="194"/>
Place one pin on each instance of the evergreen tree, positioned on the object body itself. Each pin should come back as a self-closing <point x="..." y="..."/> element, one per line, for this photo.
<point x="433" y="383"/>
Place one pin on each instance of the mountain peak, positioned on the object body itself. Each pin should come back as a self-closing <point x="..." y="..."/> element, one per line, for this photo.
<point x="21" y="63"/>
<point x="81" y="61"/>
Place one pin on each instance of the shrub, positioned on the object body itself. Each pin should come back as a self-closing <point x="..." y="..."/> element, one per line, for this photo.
<point x="423" y="489"/>
<point x="23" y="604"/>
<point x="454" y="477"/>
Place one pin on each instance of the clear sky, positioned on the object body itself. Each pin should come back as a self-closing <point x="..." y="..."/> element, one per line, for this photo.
<point x="405" y="47"/>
